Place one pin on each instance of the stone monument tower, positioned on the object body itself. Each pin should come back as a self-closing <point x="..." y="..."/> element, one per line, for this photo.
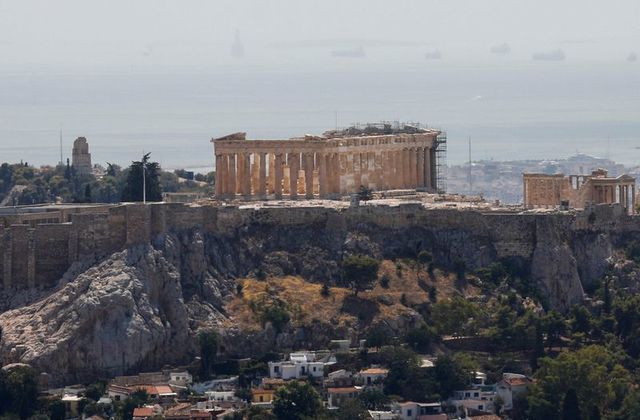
<point x="81" y="158"/>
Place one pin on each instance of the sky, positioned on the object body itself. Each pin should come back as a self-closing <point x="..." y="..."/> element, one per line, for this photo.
<point x="38" y="34"/>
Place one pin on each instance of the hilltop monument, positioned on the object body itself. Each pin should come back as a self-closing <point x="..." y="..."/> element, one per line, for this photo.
<point x="81" y="158"/>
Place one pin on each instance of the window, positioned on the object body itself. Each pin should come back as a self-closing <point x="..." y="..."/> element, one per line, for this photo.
<point x="476" y="394"/>
<point x="276" y="369"/>
<point x="261" y="398"/>
<point x="481" y="407"/>
<point x="314" y="368"/>
<point x="409" y="413"/>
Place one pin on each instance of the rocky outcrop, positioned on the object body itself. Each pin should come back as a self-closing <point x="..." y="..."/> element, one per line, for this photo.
<point x="143" y="307"/>
<point x="127" y="311"/>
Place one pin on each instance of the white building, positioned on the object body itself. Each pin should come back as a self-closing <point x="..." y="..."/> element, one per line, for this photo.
<point x="413" y="410"/>
<point x="180" y="378"/>
<point x="512" y="385"/>
<point x="299" y="365"/>
<point x="373" y="376"/>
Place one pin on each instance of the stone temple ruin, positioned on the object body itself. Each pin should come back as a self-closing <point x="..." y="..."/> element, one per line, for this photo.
<point x="578" y="191"/>
<point x="376" y="156"/>
<point x="81" y="158"/>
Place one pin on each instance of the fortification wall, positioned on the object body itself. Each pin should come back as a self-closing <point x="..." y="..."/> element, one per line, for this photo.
<point x="36" y="256"/>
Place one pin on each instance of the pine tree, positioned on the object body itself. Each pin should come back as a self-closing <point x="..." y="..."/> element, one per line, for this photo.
<point x="570" y="406"/>
<point x="134" y="185"/>
<point x="87" y="194"/>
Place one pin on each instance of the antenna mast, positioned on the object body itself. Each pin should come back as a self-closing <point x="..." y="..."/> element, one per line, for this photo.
<point x="470" y="178"/>
<point x="61" y="158"/>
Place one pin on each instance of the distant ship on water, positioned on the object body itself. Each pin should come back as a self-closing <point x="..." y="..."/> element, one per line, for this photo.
<point x="554" y="55"/>
<point x="501" y="49"/>
<point x="433" y="55"/>
<point x="237" y="49"/>
<point x="357" y="52"/>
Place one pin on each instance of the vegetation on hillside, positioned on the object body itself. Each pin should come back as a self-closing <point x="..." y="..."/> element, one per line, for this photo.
<point x="21" y="184"/>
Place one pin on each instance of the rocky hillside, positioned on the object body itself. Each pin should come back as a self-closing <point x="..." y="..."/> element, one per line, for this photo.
<point x="142" y="307"/>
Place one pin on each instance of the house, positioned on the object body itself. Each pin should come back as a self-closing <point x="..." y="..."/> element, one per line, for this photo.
<point x="181" y="378"/>
<point x="337" y="396"/>
<point x="184" y="411"/>
<point x="71" y="405"/>
<point x="143" y="413"/>
<point x="479" y="397"/>
<point x="118" y="392"/>
<point x="339" y="379"/>
<point x="512" y="385"/>
<point x="382" y="415"/>
<point x="222" y="396"/>
<point x="299" y="365"/>
<point x="417" y="411"/>
<point x="373" y="376"/>
<point x="262" y="397"/>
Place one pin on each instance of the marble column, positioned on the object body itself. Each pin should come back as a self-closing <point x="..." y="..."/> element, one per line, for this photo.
<point x="231" y="184"/>
<point x="420" y="170"/>
<point x="277" y="175"/>
<point x="335" y="173"/>
<point x="356" y="158"/>
<point x="322" y="174"/>
<point x="406" y="169"/>
<point x="294" y="166"/>
<point x="413" y="168"/>
<point x="308" y="175"/>
<point x="427" y="168"/>
<point x="246" y="174"/>
<point x="262" y="174"/>
<point x="220" y="174"/>
<point x="433" y="170"/>
<point x="272" y="174"/>
<point x="397" y="169"/>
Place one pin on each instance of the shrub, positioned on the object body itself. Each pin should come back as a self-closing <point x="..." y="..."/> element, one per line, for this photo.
<point x="384" y="282"/>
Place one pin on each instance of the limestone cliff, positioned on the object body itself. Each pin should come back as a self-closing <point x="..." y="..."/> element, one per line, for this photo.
<point x="142" y="307"/>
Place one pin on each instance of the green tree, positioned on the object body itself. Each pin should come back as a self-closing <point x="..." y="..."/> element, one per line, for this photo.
<point x="453" y="373"/>
<point x="365" y="194"/>
<point x="570" y="406"/>
<point x="420" y="338"/>
<point x="377" y="337"/>
<point x="133" y="189"/>
<point x="594" y="372"/>
<point x="57" y="410"/>
<point x="296" y="400"/>
<point x="18" y="391"/>
<point x="359" y="271"/>
<point x="208" y="341"/>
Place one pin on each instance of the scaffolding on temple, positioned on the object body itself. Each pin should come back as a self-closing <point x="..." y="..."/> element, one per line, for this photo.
<point x="441" y="162"/>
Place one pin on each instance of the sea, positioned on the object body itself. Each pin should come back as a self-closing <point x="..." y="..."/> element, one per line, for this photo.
<point x="504" y="111"/>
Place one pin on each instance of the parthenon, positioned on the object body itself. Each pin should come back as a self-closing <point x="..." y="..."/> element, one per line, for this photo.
<point x="328" y="166"/>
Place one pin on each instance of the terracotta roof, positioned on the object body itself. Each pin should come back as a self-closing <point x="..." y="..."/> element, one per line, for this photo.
<point x="150" y="389"/>
<point x="119" y="388"/>
<point x="179" y="409"/>
<point x="345" y="390"/>
<point x="262" y="391"/>
<point x="375" y="371"/>
<point x="517" y="381"/>
<point x="485" y="417"/>
<point x="164" y="389"/>
<point x="143" y="412"/>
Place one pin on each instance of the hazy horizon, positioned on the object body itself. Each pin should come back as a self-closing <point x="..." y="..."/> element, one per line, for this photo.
<point x="165" y="76"/>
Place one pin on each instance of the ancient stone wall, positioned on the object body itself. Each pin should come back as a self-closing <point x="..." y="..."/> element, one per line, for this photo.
<point x="36" y="256"/>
